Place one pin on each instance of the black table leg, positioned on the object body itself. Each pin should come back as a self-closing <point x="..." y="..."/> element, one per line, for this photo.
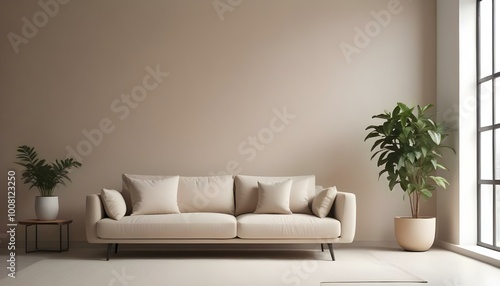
<point x="36" y="239"/>
<point x="67" y="236"/>
<point x="26" y="239"/>
<point x="60" y="238"/>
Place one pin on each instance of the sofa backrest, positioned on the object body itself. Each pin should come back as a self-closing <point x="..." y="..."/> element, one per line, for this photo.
<point x="195" y="194"/>
<point x="301" y="196"/>
<point x="206" y="194"/>
<point x="227" y="194"/>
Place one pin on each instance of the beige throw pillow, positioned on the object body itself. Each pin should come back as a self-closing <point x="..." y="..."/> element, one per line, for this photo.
<point x="299" y="195"/>
<point x="274" y="198"/>
<point x="156" y="196"/>
<point x="126" y="186"/>
<point x="246" y="192"/>
<point x="114" y="204"/>
<point x="323" y="202"/>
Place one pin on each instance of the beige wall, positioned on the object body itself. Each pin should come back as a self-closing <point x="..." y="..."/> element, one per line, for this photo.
<point x="230" y="73"/>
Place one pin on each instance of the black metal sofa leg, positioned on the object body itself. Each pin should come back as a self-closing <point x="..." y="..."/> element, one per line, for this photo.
<point x="110" y="245"/>
<point x="330" y="247"/>
<point x="322" y="249"/>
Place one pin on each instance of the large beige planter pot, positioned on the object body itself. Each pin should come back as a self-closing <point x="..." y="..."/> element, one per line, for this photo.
<point x="415" y="234"/>
<point x="46" y="208"/>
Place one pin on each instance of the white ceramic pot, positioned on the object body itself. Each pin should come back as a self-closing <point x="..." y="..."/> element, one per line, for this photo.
<point x="46" y="208"/>
<point x="415" y="234"/>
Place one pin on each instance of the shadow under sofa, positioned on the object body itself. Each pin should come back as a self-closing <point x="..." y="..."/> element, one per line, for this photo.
<point x="223" y="210"/>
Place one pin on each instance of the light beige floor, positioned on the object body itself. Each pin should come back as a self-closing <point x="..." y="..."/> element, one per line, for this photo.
<point x="442" y="267"/>
<point x="437" y="266"/>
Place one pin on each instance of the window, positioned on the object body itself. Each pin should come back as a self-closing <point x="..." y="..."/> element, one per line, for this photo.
<point x="488" y="123"/>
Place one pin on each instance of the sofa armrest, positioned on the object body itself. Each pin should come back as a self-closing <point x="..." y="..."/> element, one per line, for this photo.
<point x="344" y="210"/>
<point x="94" y="212"/>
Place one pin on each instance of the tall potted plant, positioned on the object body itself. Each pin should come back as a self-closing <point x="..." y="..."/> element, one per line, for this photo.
<point x="408" y="149"/>
<point x="45" y="177"/>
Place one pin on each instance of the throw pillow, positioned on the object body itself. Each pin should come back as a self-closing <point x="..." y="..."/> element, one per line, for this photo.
<point x="114" y="204"/>
<point x="246" y="192"/>
<point x="299" y="195"/>
<point x="274" y="198"/>
<point x="156" y="196"/>
<point x="126" y="186"/>
<point x="323" y="202"/>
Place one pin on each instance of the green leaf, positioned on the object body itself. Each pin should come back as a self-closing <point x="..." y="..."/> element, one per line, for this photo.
<point x="418" y="155"/>
<point x="401" y="162"/>
<point x="440" y="181"/>
<point x="436" y="137"/>
<point x="371" y="135"/>
<point x="434" y="163"/>
<point x="431" y="122"/>
<point x="392" y="183"/>
<point x="381" y="173"/>
<point x="378" y="142"/>
<point x="426" y="193"/>
<point x="441" y="167"/>
<point x="411" y="157"/>
<point x="382" y="116"/>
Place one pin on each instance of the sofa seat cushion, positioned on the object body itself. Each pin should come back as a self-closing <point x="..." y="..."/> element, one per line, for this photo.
<point x="294" y="226"/>
<point x="165" y="226"/>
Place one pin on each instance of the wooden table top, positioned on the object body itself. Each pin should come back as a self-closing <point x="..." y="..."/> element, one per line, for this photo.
<point x="37" y="221"/>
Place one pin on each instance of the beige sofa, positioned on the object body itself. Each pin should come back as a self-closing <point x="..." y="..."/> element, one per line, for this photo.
<point x="220" y="210"/>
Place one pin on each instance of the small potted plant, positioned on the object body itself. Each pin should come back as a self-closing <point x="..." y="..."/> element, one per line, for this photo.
<point x="45" y="177"/>
<point x="408" y="146"/>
